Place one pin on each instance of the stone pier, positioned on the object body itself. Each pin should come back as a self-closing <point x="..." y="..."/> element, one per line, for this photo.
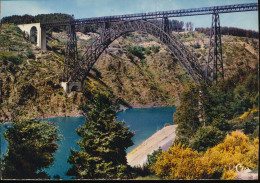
<point x="71" y="86"/>
<point x="31" y="30"/>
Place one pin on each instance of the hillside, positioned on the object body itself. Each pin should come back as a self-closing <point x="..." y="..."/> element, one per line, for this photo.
<point x="30" y="78"/>
<point x="136" y="69"/>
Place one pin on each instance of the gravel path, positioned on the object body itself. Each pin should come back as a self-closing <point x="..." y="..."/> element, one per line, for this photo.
<point x="163" y="138"/>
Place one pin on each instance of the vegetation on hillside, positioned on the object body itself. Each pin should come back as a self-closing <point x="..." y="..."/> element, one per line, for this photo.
<point x="22" y="64"/>
<point x="41" y="18"/>
<point x="135" y="70"/>
<point x="218" y="162"/>
<point x="30" y="78"/>
<point x="217" y="135"/>
<point x="231" y="31"/>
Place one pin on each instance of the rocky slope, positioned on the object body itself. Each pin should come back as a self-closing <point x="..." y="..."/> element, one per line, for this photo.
<point x="135" y="68"/>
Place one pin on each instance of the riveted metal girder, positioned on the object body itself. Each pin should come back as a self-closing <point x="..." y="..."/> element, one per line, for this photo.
<point x="215" y="70"/>
<point x="71" y="53"/>
<point x="160" y="14"/>
<point x="177" y="48"/>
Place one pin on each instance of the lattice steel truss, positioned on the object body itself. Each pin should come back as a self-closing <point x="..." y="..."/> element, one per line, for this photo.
<point x="178" y="49"/>
<point x="215" y="60"/>
<point x="74" y="70"/>
<point x="165" y="24"/>
<point x="71" y="54"/>
<point x="160" y="14"/>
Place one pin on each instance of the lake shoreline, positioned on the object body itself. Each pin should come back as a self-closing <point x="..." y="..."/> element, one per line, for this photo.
<point x="155" y="119"/>
<point x="148" y="105"/>
<point x="163" y="138"/>
<point x="80" y="113"/>
<point x="120" y="108"/>
<point x="71" y="114"/>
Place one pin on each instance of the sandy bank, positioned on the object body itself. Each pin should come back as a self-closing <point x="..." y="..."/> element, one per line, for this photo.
<point x="163" y="138"/>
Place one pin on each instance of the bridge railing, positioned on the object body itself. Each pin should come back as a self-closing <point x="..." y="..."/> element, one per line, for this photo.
<point x="160" y="14"/>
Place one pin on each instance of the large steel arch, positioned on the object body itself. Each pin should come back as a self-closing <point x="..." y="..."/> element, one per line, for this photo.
<point x="177" y="49"/>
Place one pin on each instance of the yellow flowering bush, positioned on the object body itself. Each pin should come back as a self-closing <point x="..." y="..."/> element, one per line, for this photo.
<point x="229" y="175"/>
<point x="249" y="113"/>
<point x="236" y="149"/>
<point x="216" y="162"/>
<point x="252" y="157"/>
<point x="178" y="163"/>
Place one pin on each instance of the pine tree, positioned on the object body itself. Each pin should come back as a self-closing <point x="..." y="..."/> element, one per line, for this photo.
<point x="187" y="114"/>
<point x="103" y="143"/>
<point x="31" y="145"/>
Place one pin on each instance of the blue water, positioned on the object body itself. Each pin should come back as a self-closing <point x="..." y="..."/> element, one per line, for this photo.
<point x="144" y="121"/>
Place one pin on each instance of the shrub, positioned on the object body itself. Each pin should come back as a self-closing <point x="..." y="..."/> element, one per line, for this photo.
<point x="136" y="51"/>
<point x="221" y="124"/>
<point x="250" y="126"/>
<point x="236" y="149"/>
<point x="60" y="93"/>
<point x="16" y="59"/>
<point x="155" y="49"/>
<point x="147" y="51"/>
<point x="30" y="54"/>
<point x="256" y="132"/>
<point x="178" y="163"/>
<point x="152" y="158"/>
<point x="229" y="175"/>
<point x="206" y="137"/>
<point x="219" y="161"/>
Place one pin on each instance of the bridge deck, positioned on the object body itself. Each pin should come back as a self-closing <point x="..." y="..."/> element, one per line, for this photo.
<point x="159" y="14"/>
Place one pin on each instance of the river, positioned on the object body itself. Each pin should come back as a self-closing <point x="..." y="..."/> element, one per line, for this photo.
<point x="144" y="121"/>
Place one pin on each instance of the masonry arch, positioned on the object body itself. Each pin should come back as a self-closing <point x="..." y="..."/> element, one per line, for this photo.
<point x="75" y="88"/>
<point x="36" y="33"/>
<point x="33" y="34"/>
<point x="177" y="49"/>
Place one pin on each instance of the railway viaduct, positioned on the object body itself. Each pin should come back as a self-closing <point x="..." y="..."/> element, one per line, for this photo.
<point x="76" y="69"/>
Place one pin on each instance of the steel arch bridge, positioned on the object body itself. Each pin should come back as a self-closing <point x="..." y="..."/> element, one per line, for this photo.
<point x="76" y="70"/>
<point x="176" y="47"/>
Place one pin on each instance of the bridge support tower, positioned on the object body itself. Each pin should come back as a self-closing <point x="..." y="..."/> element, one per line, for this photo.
<point x="31" y="30"/>
<point x="71" y="59"/>
<point x="166" y="24"/>
<point x="71" y="86"/>
<point x="71" y="54"/>
<point x="215" y="69"/>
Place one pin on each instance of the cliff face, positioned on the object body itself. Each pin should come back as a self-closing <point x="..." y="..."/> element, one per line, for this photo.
<point x="135" y="68"/>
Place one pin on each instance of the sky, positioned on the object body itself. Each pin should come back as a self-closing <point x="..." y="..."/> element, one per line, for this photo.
<point x="97" y="8"/>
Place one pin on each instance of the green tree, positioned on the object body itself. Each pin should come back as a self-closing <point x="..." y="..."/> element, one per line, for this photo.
<point x="136" y="51"/>
<point x="206" y="137"/>
<point x="215" y="103"/>
<point x="250" y="126"/>
<point x="187" y="113"/>
<point x="31" y="145"/>
<point x="152" y="158"/>
<point x="103" y="143"/>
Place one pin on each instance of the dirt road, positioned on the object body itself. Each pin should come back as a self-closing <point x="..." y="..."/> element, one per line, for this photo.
<point x="163" y="138"/>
